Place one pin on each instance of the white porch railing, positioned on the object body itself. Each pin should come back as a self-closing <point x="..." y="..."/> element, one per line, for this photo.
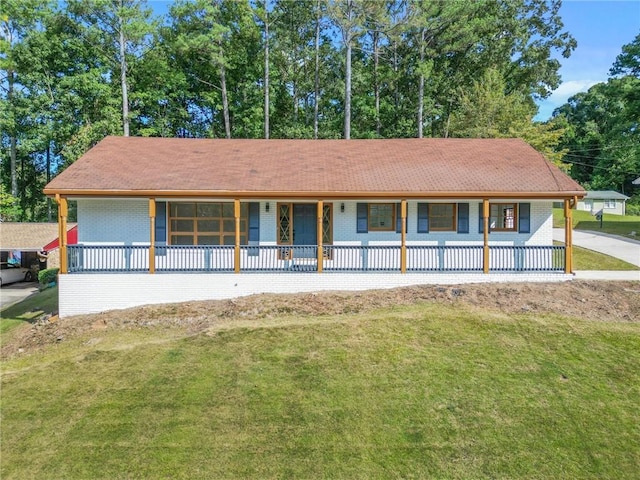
<point x="336" y="258"/>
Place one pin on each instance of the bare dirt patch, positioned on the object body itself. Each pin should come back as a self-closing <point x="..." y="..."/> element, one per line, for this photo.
<point x="591" y="300"/>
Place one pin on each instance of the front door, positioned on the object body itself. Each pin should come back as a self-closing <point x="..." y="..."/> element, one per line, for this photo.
<point x="304" y="229"/>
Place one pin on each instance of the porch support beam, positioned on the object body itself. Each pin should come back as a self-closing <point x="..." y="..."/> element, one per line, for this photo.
<point x="320" y="253"/>
<point x="236" y="250"/>
<point x="403" y="236"/>
<point x="485" y="235"/>
<point x="152" y="235"/>
<point x="63" y="213"/>
<point x="568" y="237"/>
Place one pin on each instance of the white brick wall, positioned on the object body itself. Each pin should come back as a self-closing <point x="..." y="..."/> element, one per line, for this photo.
<point x="81" y="294"/>
<point x="126" y="222"/>
<point x="113" y="221"/>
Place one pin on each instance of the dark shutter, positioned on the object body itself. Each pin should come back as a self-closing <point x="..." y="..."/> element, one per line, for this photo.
<point x="524" y="217"/>
<point x="362" y="224"/>
<point x="254" y="221"/>
<point x="161" y="223"/>
<point x="481" y="222"/>
<point x="399" y="218"/>
<point x="423" y="218"/>
<point x="463" y="218"/>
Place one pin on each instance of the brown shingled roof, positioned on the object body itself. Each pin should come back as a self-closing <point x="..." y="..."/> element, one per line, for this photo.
<point x="27" y="236"/>
<point x="327" y="168"/>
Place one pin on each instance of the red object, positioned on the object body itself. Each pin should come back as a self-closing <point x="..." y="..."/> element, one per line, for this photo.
<point x="72" y="239"/>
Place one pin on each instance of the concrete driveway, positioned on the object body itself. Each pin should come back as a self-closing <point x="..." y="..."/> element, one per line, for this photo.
<point x="622" y="248"/>
<point x="16" y="292"/>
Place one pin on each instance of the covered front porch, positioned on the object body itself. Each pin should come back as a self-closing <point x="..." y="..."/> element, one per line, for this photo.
<point x="245" y="252"/>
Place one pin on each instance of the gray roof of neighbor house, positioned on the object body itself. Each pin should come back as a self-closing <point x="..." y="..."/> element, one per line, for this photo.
<point x="411" y="168"/>
<point x="27" y="236"/>
<point x="636" y="181"/>
<point x="604" y="195"/>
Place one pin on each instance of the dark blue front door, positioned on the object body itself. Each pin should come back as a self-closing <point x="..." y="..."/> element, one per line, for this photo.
<point x="304" y="229"/>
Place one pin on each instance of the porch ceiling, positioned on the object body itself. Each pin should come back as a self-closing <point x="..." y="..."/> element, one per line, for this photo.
<point x="331" y="169"/>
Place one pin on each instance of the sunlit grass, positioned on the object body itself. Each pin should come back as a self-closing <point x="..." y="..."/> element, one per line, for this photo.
<point x="29" y="309"/>
<point x="623" y="225"/>
<point x="426" y="391"/>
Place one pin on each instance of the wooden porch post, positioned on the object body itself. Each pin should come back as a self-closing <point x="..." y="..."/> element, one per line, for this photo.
<point x="319" y="235"/>
<point x="485" y="235"/>
<point x="568" y="237"/>
<point x="403" y="236"/>
<point x="236" y="252"/>
<point x="152" y="236"/>
<point x="63" y="213"/>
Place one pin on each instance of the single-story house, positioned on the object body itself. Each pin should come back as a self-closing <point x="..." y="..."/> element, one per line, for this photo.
<point x="167" y="220"/>
<point x="23" y="240"/>
<point x="605" y="201"/>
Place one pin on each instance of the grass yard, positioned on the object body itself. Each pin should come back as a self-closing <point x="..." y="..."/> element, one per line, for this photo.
<point x="29" y="309"/>
<point x="585" y="259"/>
<point x="419" y="391"/>
<point x="612" y="224"/>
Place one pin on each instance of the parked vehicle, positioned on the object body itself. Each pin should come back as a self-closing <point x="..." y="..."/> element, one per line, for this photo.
<point x="10" y="273"/>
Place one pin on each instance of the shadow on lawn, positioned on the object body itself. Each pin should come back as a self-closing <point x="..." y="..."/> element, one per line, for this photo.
<point x="34" y="307"/>
<point x="626" y="229"/>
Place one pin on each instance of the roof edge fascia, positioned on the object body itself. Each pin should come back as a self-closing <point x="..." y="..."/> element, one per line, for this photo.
<point x="569" y="194"/>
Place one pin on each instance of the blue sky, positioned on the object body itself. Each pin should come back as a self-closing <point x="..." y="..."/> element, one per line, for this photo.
<point x="601" y="28"/>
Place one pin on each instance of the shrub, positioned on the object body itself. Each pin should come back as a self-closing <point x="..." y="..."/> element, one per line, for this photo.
<point x="47" y="276"/>
<point x="632" y="209"/>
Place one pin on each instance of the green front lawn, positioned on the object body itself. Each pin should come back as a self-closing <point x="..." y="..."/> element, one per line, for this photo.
<point x="585" y="259"/>
<point x="424" y="391"/>
<point x="29" y="310"/>
<point x="612" y="224"/>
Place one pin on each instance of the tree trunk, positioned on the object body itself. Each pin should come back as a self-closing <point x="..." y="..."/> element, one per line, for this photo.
<point x="376" y="86"/>
<point x="266" y="71"/>
<point x="123" y="78"/>
<point x="316" y="91"/>
<point x="13" y="148"/>
<point x="49" y="213"/>
<point x="421" y="87"/>
<point x="347" y="35"/>
<point x="396" y="95"/>
<point x="225" y="101"/>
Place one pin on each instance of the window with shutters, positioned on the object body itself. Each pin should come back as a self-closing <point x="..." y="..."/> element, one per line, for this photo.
<point x="206" y="223"/>
<point x="382" y="217"/>
<point x="442" y="217"/>
<point x="502" y="217"/>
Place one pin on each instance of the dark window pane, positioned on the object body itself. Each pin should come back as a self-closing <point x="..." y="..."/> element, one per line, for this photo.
<point x="206" y="209"/>
<point x="227" y="210"/>
<point x="208" y="226"/>
<point x="183" y="210"/>
<point x="181" y="240"/>
<point x="229" y="226"/>
<point x="208" y="240"/>
<point x="182" y="225"/>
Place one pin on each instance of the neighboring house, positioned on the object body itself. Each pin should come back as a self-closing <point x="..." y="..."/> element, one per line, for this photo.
<point x="636" y="181"/>
<point x="166" y="220"/>
<point x="606" y="201"/>
<point x="23" y="241"/>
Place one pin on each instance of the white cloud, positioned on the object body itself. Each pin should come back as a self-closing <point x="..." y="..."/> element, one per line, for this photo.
<point x="567" y="89"/>
<point x="561" y="95"/>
